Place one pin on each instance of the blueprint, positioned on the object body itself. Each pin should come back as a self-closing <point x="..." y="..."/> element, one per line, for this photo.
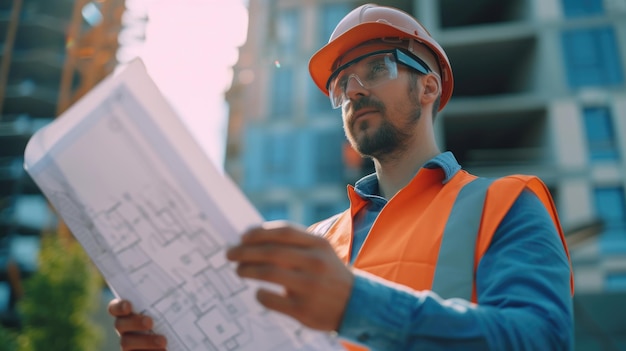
<point x="156" y="216"/>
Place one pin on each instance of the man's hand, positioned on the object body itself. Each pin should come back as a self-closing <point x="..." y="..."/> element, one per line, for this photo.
<point x="134" y="329"/>
<point x="316" y="282"/>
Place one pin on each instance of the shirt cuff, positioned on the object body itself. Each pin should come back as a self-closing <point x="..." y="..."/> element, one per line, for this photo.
<point x="376" y="313"/>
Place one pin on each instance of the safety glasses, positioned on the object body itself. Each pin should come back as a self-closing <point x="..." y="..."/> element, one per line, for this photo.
<point x="370" y="71"/>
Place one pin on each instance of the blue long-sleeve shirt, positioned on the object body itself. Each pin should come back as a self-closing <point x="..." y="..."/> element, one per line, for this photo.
<point x="522" y="282"/>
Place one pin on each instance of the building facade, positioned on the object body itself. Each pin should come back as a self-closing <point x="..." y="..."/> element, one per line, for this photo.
<point x="52" y="52"/>
<point x="33" y="52"/>
<point x="540" y="88"/>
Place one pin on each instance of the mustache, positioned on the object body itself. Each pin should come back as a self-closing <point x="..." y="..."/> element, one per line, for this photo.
<point x="364" y="102"/>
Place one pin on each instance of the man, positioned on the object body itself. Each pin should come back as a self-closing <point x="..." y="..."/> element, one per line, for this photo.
<point x="427" y="257"/>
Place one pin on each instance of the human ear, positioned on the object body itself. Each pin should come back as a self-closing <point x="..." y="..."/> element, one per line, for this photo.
<point x="431" y="88"/>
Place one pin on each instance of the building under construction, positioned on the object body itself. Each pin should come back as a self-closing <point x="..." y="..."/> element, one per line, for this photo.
<point x="540" y="89"/>
<point x="52" y="52"/>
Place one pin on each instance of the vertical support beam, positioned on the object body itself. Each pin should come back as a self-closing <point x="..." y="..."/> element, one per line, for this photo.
<point x="428" y="14"/>
<point x="90" y="53"/>
<point x="71" y="41"/>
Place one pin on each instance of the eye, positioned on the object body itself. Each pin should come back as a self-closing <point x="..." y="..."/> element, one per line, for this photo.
<point x="377" y="68"/>
<point x="342" y="82"/>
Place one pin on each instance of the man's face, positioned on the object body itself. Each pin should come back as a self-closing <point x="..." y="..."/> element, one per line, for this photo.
<point x="379" y="122"/>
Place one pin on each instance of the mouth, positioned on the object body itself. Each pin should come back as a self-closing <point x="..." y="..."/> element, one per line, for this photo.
<point x="362" y="112"/>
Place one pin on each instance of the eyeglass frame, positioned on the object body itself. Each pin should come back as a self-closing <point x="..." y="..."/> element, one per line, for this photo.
<point x="400" y="55"/>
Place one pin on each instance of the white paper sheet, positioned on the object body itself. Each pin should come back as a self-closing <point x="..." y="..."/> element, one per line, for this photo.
<point x="155" y="216"/>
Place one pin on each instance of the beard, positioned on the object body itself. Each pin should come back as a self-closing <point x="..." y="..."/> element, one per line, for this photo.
<point x="387" y="140"/>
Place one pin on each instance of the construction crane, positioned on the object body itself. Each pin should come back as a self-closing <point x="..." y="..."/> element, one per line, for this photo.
<point x="90" y="49"/>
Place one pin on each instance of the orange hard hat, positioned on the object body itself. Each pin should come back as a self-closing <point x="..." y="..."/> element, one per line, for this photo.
<point x="370" y="22"/>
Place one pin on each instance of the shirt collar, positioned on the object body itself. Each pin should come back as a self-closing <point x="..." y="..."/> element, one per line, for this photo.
<point x="368" y="185"/>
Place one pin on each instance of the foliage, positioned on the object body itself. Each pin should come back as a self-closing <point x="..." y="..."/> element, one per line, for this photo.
<point x="60" y="299"/>
<point x="8" y="339"/>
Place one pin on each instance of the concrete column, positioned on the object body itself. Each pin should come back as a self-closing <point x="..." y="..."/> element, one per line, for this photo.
<point x="618" y="108"/>
<point x="551" y="72"/>
<point x="619" y="25"/>
<point x="427" y="12"/>
<point x="547" y="10"/>
<point x="575" y="201"/>
<point x="568" y="135"/>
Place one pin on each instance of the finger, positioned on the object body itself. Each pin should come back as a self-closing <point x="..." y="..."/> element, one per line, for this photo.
<point x="135" y="341"/>
<point x="277" y="302"/>
<point x="133" y="323"/>
<point x="268" y="253"/>
<point x="279" y="232"/>
<point x="285" y="304"/>
<point x="314" y="260"/>
<point x="294" y="281"/>
<point x="119" y="307"/>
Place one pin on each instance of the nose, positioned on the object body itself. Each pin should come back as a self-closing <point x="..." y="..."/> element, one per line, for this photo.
<point x="354" y="88"/>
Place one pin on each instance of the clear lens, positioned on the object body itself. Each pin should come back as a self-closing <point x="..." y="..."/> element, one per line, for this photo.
<point x="369" y="72"/>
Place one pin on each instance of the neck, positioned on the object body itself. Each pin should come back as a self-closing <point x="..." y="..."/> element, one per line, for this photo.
<point x="396" y="171"/>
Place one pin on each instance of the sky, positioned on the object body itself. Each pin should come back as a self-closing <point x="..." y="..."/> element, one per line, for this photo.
<point x="189" y="49"/>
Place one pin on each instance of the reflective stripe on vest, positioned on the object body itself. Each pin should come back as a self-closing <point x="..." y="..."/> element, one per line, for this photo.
<point x="455" y="278"/>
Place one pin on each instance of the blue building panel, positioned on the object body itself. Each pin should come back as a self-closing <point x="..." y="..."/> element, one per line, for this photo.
<point x="288" y="31"/>
<point x="277" y="158"/>
<point x="616" y="282"/>
<point x="331" y="14"/>
<point x="611" y="208"/>
<point x="282" y="95"/>
<point x="317" y="211"/>
<point x="317" y="102"/>
<point x="254" y="178"/>
<point x="304" y="177"/>
<point x="582" y="8"/>
<point x="274" y="211"/>
<point x="5" y="297"/>
<point x="600" y="132"/>
<point x="328" y="156"/>
<point x="592" y="57"/>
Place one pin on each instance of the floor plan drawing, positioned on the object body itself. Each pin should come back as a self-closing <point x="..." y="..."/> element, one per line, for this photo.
<point x="146" y="212"/>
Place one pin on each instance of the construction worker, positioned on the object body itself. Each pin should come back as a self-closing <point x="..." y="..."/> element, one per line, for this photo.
<point x="428" y="256"/>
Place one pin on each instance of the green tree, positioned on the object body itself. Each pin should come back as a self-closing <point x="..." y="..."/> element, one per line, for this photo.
<point x="8" y="339"/>
<point x="59" y="300"/>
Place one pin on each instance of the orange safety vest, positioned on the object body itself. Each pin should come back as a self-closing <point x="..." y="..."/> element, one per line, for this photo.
<point x="423" y="236"/>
